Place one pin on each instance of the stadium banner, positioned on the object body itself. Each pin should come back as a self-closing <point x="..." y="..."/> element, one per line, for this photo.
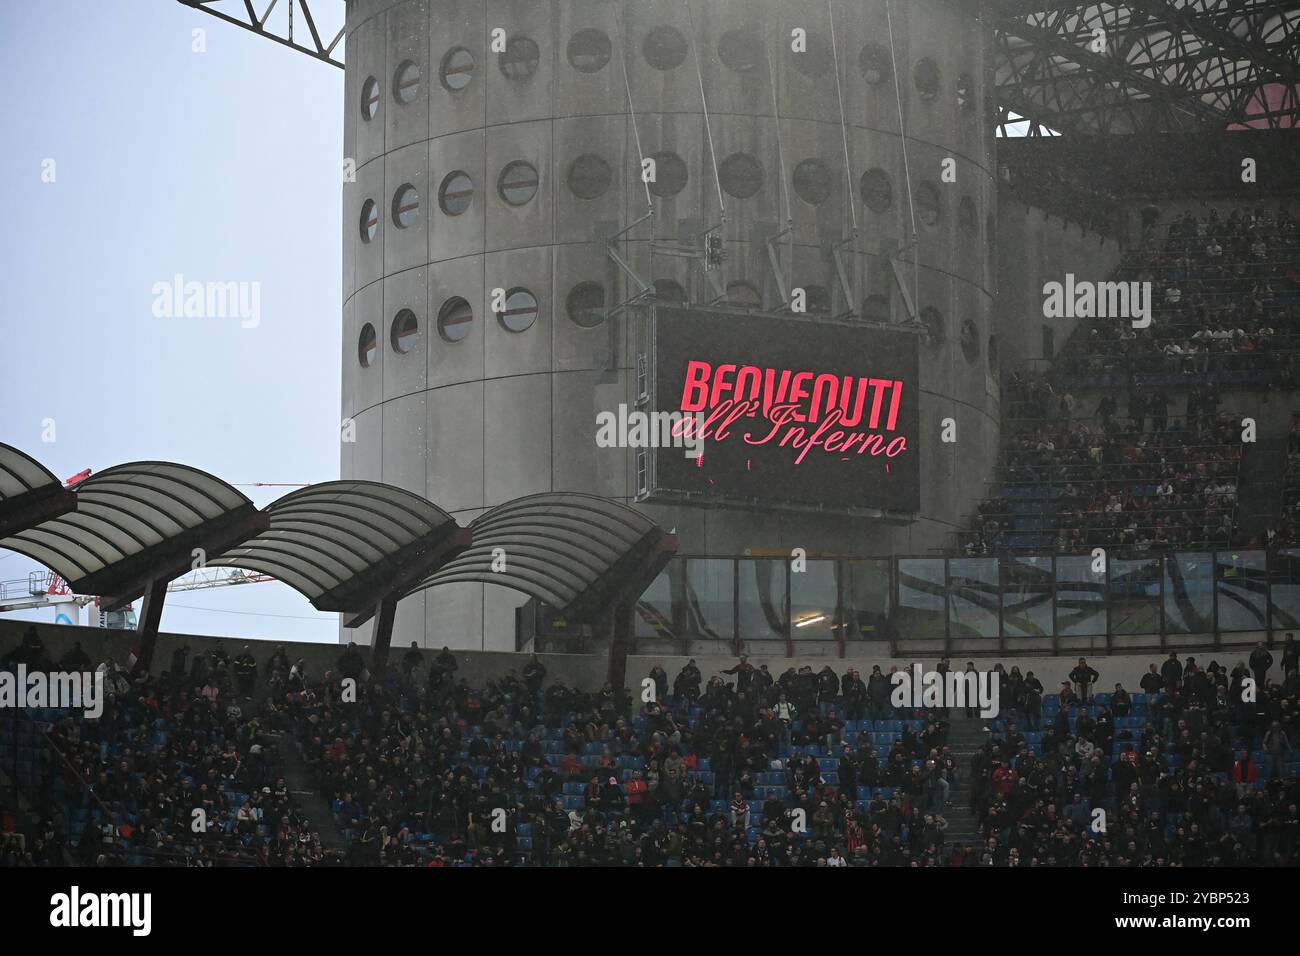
<point x="785" y="412"/>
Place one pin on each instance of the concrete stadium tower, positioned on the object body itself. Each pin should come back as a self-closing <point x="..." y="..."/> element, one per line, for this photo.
<point x="497" y="148"/>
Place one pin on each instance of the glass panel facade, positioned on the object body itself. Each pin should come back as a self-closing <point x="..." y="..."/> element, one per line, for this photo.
<point x="711" y="599"/>
<point x="1080" y="597"/>
<point x="867" y="594"/>
<point x="765" y="600"/>
<point x="763" y="615"/>
<point x="1027" y="596"/>
<point x="1135" y="595"/>
<point x="814" y="602"/>
<point x="1285" y="587"/>
<point x="1189" y="593"/>
<point x="654" y="609"/>
<point x="973" y="600"/>
<point x="1241" y="587"/>
<point x="922" y="598"/>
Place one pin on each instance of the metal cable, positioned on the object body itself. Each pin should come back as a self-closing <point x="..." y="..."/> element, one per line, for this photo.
<point x="844" y="132"/>
<point x="708" y="128"/>
<point x="627" y="87"/>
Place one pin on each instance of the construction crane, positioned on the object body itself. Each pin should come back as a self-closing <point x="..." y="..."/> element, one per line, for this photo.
<point x="42" y="589"/>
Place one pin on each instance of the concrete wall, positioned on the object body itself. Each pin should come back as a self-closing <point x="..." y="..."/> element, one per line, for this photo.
<point x="1035" y="247"/>
<point x="499" y="414"/>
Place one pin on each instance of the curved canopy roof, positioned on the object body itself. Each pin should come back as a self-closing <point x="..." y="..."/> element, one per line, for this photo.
<point x="29" y="492"/>
<point x="569" y="550"/>
<point x="336" y="541"/>
<point x="21" y="474"/>
<point x="133" y="522"/>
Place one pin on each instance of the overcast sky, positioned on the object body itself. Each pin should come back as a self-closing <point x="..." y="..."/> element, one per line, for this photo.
<point x="220" y="166"/>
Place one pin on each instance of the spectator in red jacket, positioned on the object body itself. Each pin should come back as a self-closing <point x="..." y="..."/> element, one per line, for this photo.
<point x="1245" y="772"/>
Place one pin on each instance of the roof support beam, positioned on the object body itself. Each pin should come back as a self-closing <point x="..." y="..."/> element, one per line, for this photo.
<point x="392" y="577"/>
<point x="255" y="24"/>
<point x="149" y="623"/>
<point x="381" y="638"/>
<point x="124" y="581"/>
<point x="32" y="507"/>
<point x="1105" y="66"/>
<point x="1268" y="68"/>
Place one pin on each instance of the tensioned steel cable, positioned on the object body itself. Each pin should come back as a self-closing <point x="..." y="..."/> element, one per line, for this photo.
<point x="708" y="128"/>
<point x="844" y="131"/>
<point x="631" y="109"/>
<point x="780" y="142"/>
<point x="780" y="158"/>
<point x="902" y="126"/>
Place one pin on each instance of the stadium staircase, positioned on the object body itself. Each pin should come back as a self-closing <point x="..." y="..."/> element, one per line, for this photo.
<point x="313" y="804"/>
<point x="1260" y="483"/>
<point x="965" y="736"/>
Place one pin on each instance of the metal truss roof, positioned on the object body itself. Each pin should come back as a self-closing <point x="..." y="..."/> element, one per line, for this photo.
<point x="1135" y="66"/>
<point x="1145" y="66"/>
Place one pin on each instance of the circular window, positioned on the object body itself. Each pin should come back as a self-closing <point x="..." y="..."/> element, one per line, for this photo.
<point x="875" y="64"/>
<point x="589" y="176"/>
<point x="405" y="332"/>
<point x="457" y="69"/>
<point x="589" y="51"/>
<point x="741" y="175"/>
<point x="585" y="304"/>
<point x="926" y="77"/>
<point x="455" y="319"/>
<point x="670" y="291"/>
<point x="932" y="319"/>
<point x="670" y="174"/>
<point x="369" y="98"/>
<point x="817" y="301"/>
<point x="520" y="312"/>
<point x="965" y="93"/>
<point x="406" y="206"/>
<point x="966" y="215"/>
<point x="456" y="193"/>
<point x="993" y="353"/>
<point x="970" y="340"/>
<point x="812" y="181"/>
<point x="406" y="82"/>
<point x="743" y="295"/>
<point x="877" y="190"/>
<point x="517" y="183"/>
<point x="369" y="220"/>
<point x="664" y="48"/>
<point x="875" y="308"/>
<point x="367" y="345"/>
<point x="814" y="60"/>
<point x="740" y="51"/>
<point x="928" y="203"/>
<point x="518" y="61"/>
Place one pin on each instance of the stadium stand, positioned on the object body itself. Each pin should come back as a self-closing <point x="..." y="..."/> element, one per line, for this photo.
<point x="1078" y="474"/>
<point x="801" y="769"/>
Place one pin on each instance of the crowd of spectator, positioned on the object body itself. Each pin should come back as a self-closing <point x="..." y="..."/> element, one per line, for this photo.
<point x="744" y="768"/>
<point x="1147" y="459"/>
<point x="1224" y="299"/>
<point x="178" y="770"/>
